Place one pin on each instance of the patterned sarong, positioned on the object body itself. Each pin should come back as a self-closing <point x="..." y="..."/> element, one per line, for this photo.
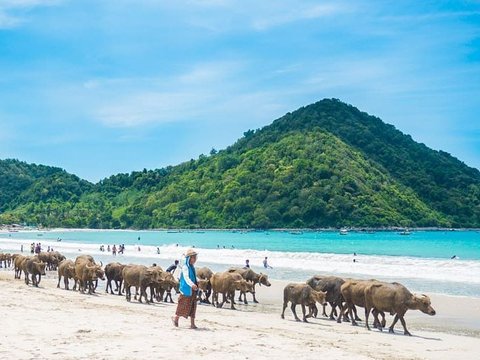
<point x="187" y="306"/>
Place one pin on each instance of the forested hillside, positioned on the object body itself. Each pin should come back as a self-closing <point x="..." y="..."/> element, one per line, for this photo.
<point x="327" y="164"/>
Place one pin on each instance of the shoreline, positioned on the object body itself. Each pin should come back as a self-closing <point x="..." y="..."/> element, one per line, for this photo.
<point x="434" y="275"/>
<point x="59" y="324"/>
<point x="8" y="229"/>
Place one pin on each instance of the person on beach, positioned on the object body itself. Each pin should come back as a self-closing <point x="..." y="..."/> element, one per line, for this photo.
<point x="265" y="263"/>
<point x="187" y="301"/>
<point x="172" y="267"/>
<point x="114" y="250"/>
<point x="247" y="264"/>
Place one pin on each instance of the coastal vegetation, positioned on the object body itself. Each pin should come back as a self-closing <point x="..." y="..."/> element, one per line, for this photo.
<point x="325" y="165"/>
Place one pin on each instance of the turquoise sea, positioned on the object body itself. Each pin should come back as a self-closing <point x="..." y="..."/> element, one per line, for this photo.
<point x="421" y="260"/>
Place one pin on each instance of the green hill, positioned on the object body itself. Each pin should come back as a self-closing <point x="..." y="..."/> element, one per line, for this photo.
<point x="327" y="164"/>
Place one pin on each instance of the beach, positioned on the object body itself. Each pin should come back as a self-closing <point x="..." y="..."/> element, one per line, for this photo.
<point x="52" y="323"/>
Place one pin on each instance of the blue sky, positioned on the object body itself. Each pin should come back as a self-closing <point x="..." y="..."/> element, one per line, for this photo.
<point x="100" y="87"/>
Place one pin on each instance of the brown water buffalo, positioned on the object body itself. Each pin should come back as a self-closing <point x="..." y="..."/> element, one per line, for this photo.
<point x="23" y="266"/>
<point x="139" y="276"/>
<point x="66" y="268"/>
<point x="163" y="286"/>
<point x="60" y="257"/>
<point x="49" y="259"/>
<point x="113" y="272"/>
<point x="226" y="283"/>
<point x="395" y="299"/>
<point x="17" y="265"/>
<point x="36" y="268"/>
<point x="353" y="292"/>
<point x="87" y="273"/>
<point x="169" y="283"/>
<point x="6" y="259"/>
<point x="302" y="294"/>
<point x="250" y="275"/>
<point x="204" y="273"/>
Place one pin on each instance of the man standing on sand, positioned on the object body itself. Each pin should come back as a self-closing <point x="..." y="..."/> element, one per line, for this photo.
<point x="187" y="301"/>
<point x="265" y="263"/>
<point x="172" y="267"/>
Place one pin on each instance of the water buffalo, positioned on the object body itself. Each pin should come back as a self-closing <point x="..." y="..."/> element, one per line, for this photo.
<point x="66" y="268"/>
<point x="87" y="273"/>
<point x="36" y="268"/>
<point x="332" y="286"/>
<point x="226" y="283"/>
<point x="353" y="292"/>
<point x="6" y="259"/>
<point x="204" y="273"/>
<point x="139" y="276"/>
<point x="302" y="294"/>
<point x="250" y="275"/>
<point x="17" y="265"/>
<point x="113" y="272"/>
<point x="162" y="285"/>
<point x="395" y="299"/>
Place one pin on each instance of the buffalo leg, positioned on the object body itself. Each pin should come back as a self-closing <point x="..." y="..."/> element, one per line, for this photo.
<point x="283" y="310"/>
<point x="304" y="313"/>
<point x="405" y="331"/>
<point x="355" y="312"/>
<point x="390" y="329"/>
<point x="58" y="284"/>
<point x="232" y="296"/>
<point x="253" y="295"/>
<point x="367" y="312"/>
<point x="342" y="313"/>
<point x="294" y="311"/>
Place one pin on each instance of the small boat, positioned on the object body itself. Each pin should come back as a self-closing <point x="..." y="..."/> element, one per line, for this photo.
<point x="343" y="232"/>
<point x="296" y="232"/>
<point x="405" y="232"/>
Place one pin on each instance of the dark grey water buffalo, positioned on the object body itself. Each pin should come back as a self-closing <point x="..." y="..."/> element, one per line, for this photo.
<point x="395" y="299"/>
<point x="302" y="294"/>
<point x="113" y="272"/>
<point x="332" y="286"/>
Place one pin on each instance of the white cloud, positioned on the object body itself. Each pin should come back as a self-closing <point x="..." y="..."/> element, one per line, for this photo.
<point x="151" y="107"/>
<point x="296" y="13"/>
<point x="139" y="101"/>
<point x="12" y="12"/>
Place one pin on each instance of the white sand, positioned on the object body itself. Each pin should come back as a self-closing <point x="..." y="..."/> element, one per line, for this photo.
<point x="51" y="323"/>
